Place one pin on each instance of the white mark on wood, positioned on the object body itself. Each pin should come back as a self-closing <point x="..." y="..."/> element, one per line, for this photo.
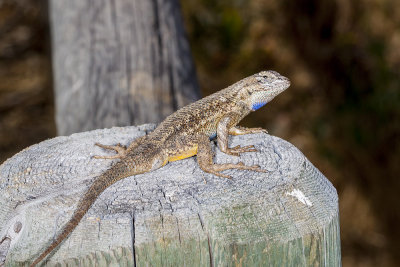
<point x="300" y="196"/>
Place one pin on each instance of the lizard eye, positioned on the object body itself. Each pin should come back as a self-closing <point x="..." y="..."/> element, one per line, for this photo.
<point x="267" y="78"/>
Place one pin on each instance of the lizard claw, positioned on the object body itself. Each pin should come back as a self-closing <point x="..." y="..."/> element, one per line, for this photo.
<point x="257" y="168"/>
<point x="224" y="176"/>
<point x="259" y="130"/>
<point x="237" y="150"/>
<point x="120" y="149"/>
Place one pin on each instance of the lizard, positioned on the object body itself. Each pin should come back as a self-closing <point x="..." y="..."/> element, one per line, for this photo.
<point x="183" y="134"/>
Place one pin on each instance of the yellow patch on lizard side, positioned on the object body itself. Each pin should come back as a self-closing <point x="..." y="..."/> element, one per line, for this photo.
<point x="184" y="154"/>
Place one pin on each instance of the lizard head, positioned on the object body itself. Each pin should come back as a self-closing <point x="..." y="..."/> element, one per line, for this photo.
<point x="259" y="89"/>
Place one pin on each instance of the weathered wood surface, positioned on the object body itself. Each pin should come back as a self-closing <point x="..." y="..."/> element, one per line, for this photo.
<point x="174" y="216"/>
<point x="119" y="63"/>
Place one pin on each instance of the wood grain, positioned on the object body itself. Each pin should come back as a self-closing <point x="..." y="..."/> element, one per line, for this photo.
<point x="119" y="63"/>
<point x="169" y="217"/>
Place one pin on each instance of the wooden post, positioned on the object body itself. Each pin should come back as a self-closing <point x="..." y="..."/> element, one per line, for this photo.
<point x="175" y="216"/>
<point x="119" y="63"/>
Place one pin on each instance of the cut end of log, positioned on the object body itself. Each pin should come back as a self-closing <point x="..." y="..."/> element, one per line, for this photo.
<point x="287" y="216"/>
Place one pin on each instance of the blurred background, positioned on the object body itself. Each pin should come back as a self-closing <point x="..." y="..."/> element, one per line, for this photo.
<point x="342" y="110"/>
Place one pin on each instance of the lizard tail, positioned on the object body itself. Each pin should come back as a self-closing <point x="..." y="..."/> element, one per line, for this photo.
<point x="109" y="177"/>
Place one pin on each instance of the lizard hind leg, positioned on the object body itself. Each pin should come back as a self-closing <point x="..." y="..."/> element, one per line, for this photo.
<point x="205" y="160"/>
<point x="120" y="149"/>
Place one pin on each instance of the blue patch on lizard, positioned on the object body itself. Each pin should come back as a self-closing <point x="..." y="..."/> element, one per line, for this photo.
<point x="213" y="135"/>
<point x="258" y="105"/>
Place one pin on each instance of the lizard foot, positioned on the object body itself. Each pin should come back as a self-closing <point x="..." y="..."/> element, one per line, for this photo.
<point x="256" y="168"/>
<point x="238" y="130"/>
<point x="237" y="150"/>
<point x="120" y="149"/>
<point x="258" y="130"/>
<point x="217" y="168"/>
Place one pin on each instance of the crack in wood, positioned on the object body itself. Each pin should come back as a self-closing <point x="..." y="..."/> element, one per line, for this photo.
<point x="133" y="235"/>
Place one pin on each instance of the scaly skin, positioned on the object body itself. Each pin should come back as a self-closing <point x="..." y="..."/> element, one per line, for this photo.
<point x="183" y="134"/>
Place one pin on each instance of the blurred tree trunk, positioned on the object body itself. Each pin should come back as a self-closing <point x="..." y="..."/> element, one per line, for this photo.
<point x="119" y="63"/>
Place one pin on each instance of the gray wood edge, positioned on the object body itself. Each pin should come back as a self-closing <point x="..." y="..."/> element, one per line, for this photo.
<point x="175" y="210"/>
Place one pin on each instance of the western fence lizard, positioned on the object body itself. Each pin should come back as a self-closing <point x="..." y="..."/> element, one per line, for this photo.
<point x="183" y="134"/>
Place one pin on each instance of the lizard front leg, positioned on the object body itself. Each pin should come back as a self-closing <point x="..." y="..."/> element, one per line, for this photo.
<point x="225" y="126"/>
<point x="205" y="160"/>
<point x="238" y="130"/>
<point x="120" y="149"/>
